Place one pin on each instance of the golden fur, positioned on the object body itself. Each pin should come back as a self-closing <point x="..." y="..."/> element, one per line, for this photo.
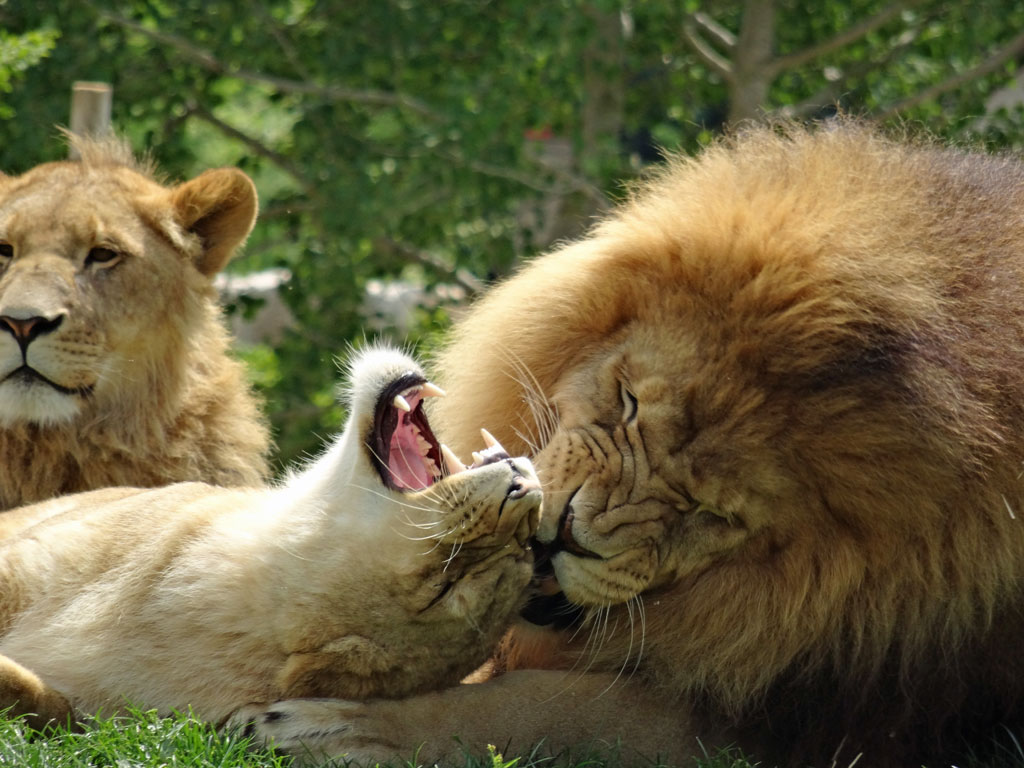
<point x="333" y="584"/>
<point x="114" y="367"/>
<point x="777" y="404"/>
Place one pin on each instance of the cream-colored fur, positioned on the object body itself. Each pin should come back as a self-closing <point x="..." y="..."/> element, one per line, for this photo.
<point x="777" y="404"/>
<point x="114" y="366"/>
<point x="331" y="584"/>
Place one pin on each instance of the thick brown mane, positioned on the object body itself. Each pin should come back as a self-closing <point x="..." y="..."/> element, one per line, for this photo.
<point x="840" y="320"/>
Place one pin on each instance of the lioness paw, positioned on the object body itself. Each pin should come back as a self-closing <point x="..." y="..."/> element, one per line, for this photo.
<point x="312" y="730"/>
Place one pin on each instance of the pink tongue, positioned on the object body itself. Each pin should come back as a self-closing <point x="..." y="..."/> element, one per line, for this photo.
<point x="408" y="470"/>
<point x="406" y="464"/>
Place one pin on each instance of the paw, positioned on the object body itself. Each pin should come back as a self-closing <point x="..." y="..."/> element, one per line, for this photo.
<point x="23" y="693"/>
<point x="314" y="729"/>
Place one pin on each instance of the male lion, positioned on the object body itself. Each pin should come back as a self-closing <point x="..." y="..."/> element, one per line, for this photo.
<point x="113" y="357"/>
<point x="776" y="401"/>
<point x="368" y="573"/>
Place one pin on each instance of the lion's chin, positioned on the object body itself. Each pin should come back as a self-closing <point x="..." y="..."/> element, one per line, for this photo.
<point x="34" y="400"/>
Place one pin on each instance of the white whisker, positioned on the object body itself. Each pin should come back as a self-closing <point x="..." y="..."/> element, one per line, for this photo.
<point x="456" y="548"/>
<point x="391" y="498"/>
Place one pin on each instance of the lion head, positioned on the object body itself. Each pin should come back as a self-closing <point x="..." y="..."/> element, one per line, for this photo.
<point x="776" y="403"/>
<point x="113" y="357"/>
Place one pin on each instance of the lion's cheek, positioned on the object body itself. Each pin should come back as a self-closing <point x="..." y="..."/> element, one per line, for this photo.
<point x="592" y="581"/>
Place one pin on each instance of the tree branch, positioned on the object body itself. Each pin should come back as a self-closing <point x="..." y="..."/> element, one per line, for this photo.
<point x="718" y="63"/>
<point x="841" y="40"/>
<point x="463" y="277"/>
<point x="284" y="85"/>
<point x="723" y="36"/>
<point x="572" y="184"/>
<point x="256" y="146"/>
<point x="829" y="93"/>
<point x="1014" y="48"/>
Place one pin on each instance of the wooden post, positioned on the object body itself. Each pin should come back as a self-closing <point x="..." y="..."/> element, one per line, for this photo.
<point x="90" y="110"/>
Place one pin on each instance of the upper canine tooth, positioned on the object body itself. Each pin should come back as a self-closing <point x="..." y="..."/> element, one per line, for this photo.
<point x="491" y="441"/>
<point x="432" y="390"/>
<point x="453" y="462"/>
<point x="401" y="403"/>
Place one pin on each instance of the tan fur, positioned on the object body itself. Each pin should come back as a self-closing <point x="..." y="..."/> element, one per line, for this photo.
<point x="210" y="598"/>
<point x="150" y="395"/>
<point x="809" y="538"/>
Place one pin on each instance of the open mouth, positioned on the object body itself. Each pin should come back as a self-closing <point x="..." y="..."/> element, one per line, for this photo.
<point x="407" y="455"/>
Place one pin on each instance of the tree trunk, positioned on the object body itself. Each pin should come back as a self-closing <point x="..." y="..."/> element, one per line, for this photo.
<point x="752" y="71"/>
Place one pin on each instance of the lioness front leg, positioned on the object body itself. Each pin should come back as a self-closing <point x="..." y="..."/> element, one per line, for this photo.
<point x="513" y="712"/>
<point x="26" y="694"/>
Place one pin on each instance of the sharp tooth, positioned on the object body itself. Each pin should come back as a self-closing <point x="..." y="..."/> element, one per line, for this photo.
<point x="478" y="458"/>
<point x="432" y="390"/>
<point x="491" y="441"/>
<point x="401" y="403"/>
<point x="453" y="462"/>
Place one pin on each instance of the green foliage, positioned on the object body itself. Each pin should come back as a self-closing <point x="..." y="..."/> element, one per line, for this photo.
<point x="442" y="143"/>
<point x="136" y="739"/>
<point x="141" y="739"/>
<point x="17" y="54"/>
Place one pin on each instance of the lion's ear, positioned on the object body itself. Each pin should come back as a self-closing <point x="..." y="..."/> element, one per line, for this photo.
<point x="219" y="206"/>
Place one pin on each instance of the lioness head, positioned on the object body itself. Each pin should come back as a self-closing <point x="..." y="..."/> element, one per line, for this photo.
<point x="462" y="520"/>
<point x="104" y="273"/>
<point x="774" y="401"/>
<point x="436" y="554"/>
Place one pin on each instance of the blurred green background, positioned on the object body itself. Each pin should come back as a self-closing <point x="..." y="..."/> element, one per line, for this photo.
<point x="410" y="152"/>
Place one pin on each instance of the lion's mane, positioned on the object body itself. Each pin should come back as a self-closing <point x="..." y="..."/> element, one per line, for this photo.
<point x="840" y="320"/>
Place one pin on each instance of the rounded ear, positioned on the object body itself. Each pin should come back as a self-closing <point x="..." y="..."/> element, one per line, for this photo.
<point x="219" y="206"/>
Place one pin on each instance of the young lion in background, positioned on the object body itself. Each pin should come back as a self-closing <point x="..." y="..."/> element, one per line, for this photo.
<point x="383" y="568"/>
<point x="114" y="366"/>
<point x="776" y="401"/>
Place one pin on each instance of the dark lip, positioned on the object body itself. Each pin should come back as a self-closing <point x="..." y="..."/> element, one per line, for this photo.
<point x="30" y="375"/>
<point x="564" y="540"/>
<point x="385" y="421"/>
<point x="549" y="610"/>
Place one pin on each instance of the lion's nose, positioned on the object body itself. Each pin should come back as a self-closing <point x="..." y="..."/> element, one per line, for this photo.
<point x="27" y="329"/>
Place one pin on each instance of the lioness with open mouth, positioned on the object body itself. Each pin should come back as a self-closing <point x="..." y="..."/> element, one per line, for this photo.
<point x="383" y="568"/>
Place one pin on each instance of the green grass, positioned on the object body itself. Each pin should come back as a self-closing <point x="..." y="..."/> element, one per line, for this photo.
<point x="143" y="740"/>
<point x="134" y="740"/>
<point x="140" y="739"/>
